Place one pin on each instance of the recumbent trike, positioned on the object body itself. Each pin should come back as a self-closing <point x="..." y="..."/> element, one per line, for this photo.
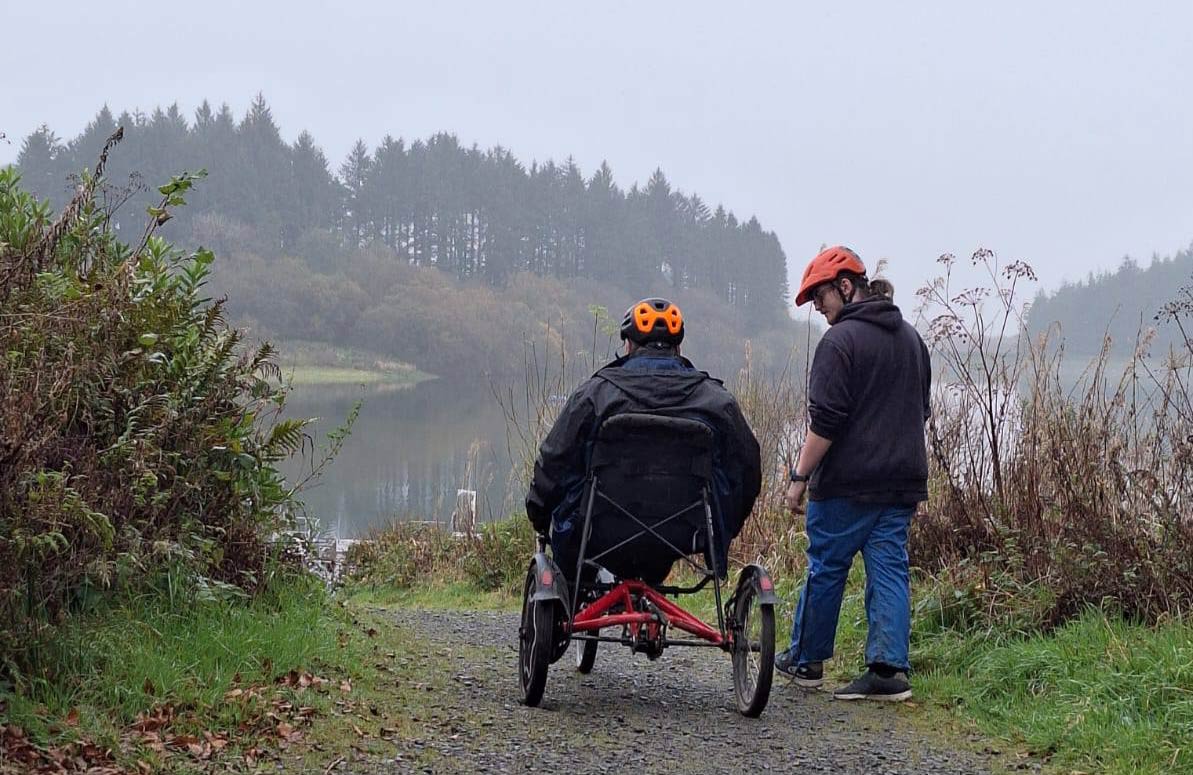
<point x="647" y="503"/>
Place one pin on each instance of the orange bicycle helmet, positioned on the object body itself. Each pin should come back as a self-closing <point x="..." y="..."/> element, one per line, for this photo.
<point x="825" y="268"/>
<point x="653" y="320"/>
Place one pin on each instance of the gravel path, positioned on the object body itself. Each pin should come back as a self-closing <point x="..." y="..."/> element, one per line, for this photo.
<point x="676" y="714"/>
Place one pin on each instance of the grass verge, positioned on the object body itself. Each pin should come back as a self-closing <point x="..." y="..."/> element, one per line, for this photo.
<point x="320" y="363"/>
<point x="1098" y="694"/>
<point x="154" y="684"/>
<point x="305" y="374"/>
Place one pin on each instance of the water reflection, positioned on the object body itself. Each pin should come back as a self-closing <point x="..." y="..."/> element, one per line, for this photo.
<point x="409" y="453"/>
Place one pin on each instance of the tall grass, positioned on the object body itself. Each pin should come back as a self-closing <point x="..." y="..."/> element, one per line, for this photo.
<point x="774" y="407"/>
<point x="1048" y="496"/>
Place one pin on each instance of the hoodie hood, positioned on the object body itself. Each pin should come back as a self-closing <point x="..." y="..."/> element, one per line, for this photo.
<point x="879" y="312"/>
<point x="654" y="381"/>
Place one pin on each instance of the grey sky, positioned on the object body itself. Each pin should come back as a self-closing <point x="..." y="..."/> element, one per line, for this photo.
<point x="1059" y="132"/>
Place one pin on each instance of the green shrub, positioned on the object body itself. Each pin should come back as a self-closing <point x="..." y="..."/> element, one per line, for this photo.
<point x="497" y="557"/>
<point x="406" y="555"/>
<point x="138" y="438"/>
<point x="401" y="555"/>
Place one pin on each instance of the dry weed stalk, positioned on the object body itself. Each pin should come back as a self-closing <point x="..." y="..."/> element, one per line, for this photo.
<point x="1052" y="495"/>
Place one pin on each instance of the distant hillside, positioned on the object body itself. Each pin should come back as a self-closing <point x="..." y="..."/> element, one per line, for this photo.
<point x="1116" y="304"/>
<point x="475" y="214"/>
<point x="432" y="253"/>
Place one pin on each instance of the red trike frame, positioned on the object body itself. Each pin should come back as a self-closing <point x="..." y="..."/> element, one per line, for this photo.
<point x="596" y="616"/>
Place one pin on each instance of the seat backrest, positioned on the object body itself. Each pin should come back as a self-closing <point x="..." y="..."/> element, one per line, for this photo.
<point x="641" y="446"/>
<point x="652" y="466"/>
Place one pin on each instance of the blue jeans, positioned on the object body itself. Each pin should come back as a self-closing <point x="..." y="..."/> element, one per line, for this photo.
<point x="838" y="529"/>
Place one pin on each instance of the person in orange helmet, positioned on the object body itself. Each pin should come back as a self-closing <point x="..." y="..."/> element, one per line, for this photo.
<point x="864" y="467"/>
<point x="651" y="377"/>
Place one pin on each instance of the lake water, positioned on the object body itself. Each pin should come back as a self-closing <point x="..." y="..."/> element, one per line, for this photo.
<point x="413" y="449"/>
<point x="410" y="452"/>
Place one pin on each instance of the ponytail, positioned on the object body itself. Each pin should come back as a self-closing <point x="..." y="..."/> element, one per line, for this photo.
<point x="882" y="288"/>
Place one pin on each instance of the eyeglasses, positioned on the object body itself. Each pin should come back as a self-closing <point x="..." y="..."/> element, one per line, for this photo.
<point x="818" y="293"/>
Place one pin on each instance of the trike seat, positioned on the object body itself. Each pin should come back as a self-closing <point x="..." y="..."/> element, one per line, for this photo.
<point x="649" y="480"/>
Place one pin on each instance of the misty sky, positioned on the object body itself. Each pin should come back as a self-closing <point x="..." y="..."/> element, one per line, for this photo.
<point x="1059" y="132"/>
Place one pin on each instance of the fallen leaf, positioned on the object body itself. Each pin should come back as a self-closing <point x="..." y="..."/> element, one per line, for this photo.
<point x="92" y="752"/>
<point x="217" y="742"/>
<point x="152" y="741"/>
<point x="183" y="741"/>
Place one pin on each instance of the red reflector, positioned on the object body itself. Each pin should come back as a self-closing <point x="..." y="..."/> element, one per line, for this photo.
<point x="546" y="578"/>
<point x="766" y="583"/>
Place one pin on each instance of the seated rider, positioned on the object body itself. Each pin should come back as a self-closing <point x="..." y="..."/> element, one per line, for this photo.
<point x="651" y="377"/>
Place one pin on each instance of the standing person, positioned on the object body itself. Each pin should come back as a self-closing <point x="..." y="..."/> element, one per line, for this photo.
<point x="865" y="467"/>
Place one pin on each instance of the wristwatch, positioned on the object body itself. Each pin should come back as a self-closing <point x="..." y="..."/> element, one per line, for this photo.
<point x="798" y="477"/>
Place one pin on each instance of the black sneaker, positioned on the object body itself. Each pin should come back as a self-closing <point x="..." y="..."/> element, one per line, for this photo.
<point x="872" y="686"/>
<point x="809" y="676"/>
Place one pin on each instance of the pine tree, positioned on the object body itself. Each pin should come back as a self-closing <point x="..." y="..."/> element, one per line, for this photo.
<point x="603" y="226"/>
<point x="385" y="194"/>
<point x="266" y="160"/>
<point x="504" y="190"/>
<point x="215" y="149"/>
<point x="41" y="172"/>
<point x="354" y="173"/>
<point x="662" y="228"/>
<point x="314" y="193"/>
<point x="84" y="150"/>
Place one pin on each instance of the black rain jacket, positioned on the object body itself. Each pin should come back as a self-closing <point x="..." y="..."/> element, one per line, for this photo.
<point x="869" y="394"/>
<point x="655" y="382"/>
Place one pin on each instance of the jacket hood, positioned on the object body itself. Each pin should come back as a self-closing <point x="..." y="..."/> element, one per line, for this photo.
<point x="654" y="387"/>
<point x="879" y="312"/>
